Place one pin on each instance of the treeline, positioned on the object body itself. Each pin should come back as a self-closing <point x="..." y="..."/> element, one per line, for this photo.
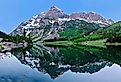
<point x="17" y="39"/>
<point x="78" y="28"/>
<point x="111" y="33"/>
<point x="114" y="39"/>
<point x="2" y="34"/>
<point x="52" y="40"/>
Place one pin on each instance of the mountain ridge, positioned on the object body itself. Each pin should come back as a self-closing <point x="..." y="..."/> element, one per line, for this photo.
<point x="54" y="20"/>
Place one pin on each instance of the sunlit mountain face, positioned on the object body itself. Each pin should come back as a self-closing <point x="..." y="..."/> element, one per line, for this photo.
<point x="49" y="24"/>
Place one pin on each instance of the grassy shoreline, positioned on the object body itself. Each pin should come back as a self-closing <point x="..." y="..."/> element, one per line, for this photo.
<point x="98" y="43"/>
<point x="59" y="43"/>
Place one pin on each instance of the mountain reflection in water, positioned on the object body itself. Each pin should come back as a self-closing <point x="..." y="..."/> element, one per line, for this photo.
<point x="40" y="62"/>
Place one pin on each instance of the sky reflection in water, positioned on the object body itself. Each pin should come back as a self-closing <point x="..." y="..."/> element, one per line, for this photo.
<point x="12" y="69"/>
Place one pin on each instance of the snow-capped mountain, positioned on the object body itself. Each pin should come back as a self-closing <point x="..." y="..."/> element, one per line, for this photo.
<point x="91" y="17"/>
<point x="51" y="22"/>
<point x="54" y="13"/>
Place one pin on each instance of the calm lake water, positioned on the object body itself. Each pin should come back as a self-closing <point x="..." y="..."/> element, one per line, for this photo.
<point x="61" y="64"/>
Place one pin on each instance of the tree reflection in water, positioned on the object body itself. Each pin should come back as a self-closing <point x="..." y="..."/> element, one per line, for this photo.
<point x="57" y="60"/>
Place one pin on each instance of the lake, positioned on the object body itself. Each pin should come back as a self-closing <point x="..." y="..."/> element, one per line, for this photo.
<point x="61" y="64"/>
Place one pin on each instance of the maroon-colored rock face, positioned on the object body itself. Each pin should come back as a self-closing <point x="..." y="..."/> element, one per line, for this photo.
<point x="37" y="23"/>
<point x="88" y="16"/>
<point x="55" y="13"/>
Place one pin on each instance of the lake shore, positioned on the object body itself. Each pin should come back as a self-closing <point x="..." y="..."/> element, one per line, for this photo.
<point x="7" y="46"/>
<point x="97" y="43"/>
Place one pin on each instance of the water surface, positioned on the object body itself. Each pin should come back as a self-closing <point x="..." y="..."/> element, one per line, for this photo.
<point x="61" y="64"/>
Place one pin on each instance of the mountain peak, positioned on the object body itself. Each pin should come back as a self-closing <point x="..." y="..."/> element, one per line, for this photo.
<point x="55" y="13"/>
<point x="55" y="8"/>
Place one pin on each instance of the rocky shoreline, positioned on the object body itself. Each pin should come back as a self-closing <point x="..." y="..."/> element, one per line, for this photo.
<point x="7" y="46"/>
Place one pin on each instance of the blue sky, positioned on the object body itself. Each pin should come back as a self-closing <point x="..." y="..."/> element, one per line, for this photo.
<point x="13" y="12"/>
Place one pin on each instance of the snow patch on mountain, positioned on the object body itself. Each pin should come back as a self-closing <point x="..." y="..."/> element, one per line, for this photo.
<point x="55" y="18"/>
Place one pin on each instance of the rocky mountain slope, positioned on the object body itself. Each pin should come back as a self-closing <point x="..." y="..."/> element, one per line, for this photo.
<point x="47" y="25"/>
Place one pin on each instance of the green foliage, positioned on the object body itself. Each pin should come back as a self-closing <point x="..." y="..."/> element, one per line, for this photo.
<point x="17" y="39"/>
<point x="89" y="38"/>
<point x="71" y="33"/>
<point x="22" y="50"/>
<point x="77" y="28"/>
<point x="2" y="35"/>
<point x="112" y="33"/>
<point x="81" y="59"/>
<point x="53" y="40"/>
<point x="114" y="30"/>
